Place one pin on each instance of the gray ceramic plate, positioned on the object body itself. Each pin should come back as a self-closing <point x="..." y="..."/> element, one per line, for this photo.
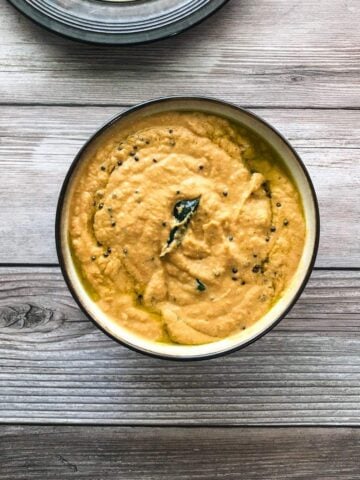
<point x="117" y="22"/>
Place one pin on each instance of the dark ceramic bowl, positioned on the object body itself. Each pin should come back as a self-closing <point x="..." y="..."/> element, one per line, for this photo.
<point x="117" y="22"/>
<point x="290" y="295"/>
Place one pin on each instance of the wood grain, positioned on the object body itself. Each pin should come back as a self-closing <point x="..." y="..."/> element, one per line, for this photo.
<point x="179" y="453"/>
<point x="295" y="63"/>
<point x="37" y="145"/>
<point x="56" y="366"/>
<point x="254" y="52"/>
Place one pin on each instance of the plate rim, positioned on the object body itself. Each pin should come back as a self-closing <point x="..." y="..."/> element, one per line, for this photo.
<point x="114" y="39"/>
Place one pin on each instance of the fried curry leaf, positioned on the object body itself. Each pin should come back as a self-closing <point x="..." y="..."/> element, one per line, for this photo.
<point x="183" y="212"/>
<point x="185" y="209"/>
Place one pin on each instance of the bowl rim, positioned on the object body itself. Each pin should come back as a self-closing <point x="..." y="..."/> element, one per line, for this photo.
<point x="106" y="39"/>
<point x="59" y="213"/>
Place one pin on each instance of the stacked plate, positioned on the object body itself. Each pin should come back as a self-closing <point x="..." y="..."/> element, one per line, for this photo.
<point x="118" y="21"/>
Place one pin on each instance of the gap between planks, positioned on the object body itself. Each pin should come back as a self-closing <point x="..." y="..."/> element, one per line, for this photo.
<point x="130" y="105"/>
<point x="56" y="265"/>
<point x="184" y="427"/>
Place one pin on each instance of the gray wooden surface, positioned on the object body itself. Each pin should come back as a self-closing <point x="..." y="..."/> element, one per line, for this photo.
<point x="56" y="366"/>
<point x="181" y="454"/>
<point x="110" y="412"/>
<point x="38" y="144"/>
<point x="286" y="53"/>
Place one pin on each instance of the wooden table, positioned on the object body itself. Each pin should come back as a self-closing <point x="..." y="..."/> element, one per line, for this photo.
<point x="73" y="403"/>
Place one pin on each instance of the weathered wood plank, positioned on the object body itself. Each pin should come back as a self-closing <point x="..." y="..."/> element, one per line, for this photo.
<point x="179" y="453"/>
<point x="38" y="144"/>
<point x="256" y="52"/>
<point x="56" y="366"/>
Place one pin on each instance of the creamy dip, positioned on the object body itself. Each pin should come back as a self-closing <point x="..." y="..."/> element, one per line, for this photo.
<point x="185" y="228"/>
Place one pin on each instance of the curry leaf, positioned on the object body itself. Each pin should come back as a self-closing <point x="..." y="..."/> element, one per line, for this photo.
<point x="185" y="209"/>
<point x="182" y="212"/>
